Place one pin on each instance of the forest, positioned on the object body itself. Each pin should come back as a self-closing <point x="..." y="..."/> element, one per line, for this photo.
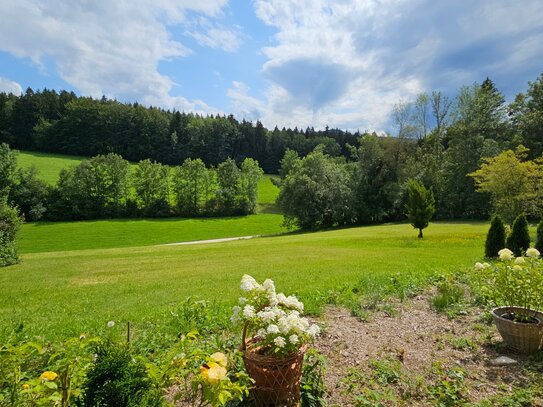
<point x="347" y="177"/>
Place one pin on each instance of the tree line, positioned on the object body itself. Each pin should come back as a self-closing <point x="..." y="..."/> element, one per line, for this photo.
<point x="441" y="142"/>
<point x="477" y="154"/>
<point x="61" y="122"/>
<point x="106" y="186"/>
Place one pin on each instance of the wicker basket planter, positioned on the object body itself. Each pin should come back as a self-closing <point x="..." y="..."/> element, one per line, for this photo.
<point x="522" y="337"/>
<point x="277" y="379"/>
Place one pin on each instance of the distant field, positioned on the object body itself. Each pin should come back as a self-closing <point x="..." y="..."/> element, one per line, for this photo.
<point x="60" y="236"/>
<point x="64" y="293"/>
<point x="48" y="165"/>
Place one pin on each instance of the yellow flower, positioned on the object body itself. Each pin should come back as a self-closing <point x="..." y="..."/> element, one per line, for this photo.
<point x="49" y="376"/>
<point x="220" y="358"/>
<point x="26" y="386"/>
<point x="212" y="372"/>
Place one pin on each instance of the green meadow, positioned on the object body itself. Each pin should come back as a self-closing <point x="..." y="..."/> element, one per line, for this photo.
<point x="76" y="276"/>
<point x="61" y="293"/>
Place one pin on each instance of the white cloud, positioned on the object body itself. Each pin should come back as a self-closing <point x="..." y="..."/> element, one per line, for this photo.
<point x="372" y="53"/>
<point x="215" y="35"/>
<point x="9" y="86"/>
<point x="104" y="47"/>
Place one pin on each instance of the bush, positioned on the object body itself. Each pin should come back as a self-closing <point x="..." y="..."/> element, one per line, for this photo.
<point x="117" y="379"/>
<point x="518" y="240"/>
<point x="539" y="237"/>
<point x="9" y="224"/>
<point x="495" y="239"/>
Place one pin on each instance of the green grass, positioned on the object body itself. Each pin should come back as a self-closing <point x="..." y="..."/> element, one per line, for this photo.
<point x="48" y="165"/>
<point x="102" y="234"/>
<point x="58" y="294"/>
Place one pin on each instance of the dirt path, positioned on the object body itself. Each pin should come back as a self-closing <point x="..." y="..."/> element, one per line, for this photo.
<point x="224" y="239"/>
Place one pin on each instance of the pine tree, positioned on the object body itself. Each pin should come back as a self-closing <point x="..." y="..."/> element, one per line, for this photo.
<point x="519" y="239"/>
<point x="495" y="239"/>
<point x="539" y="237"/>
<point x="420" y="205"/>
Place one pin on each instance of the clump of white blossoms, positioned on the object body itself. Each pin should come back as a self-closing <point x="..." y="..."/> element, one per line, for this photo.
<point x="513" y="281"/>
<point x="273" y="320"/>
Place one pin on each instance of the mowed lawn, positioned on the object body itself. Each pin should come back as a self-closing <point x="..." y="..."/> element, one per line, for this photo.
<point x="58" y="294"/>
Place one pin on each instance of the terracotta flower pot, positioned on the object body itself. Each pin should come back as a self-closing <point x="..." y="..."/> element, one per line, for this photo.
<point x="523" y="337"/>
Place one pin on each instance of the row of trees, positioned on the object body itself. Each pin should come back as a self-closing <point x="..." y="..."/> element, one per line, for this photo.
<point x="65" y="123"/>
<point x="319" y="191"/>
<point x="107" y="186"/>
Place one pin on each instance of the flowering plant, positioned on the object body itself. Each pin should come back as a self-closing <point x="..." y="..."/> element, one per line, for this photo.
<point x="273" y="320"/>
<point x="514" y="281"/>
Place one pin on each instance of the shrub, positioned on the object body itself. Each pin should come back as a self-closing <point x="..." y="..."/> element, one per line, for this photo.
<point x="539" y="237"/>
<point x="9" y="224"/>
<point x="518" y="240"/>
<point x="117" y="379"/>
<point x="495" y="239"/>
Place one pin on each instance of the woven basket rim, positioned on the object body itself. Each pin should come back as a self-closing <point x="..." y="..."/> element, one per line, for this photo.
<point x="250" y="353"/>
<point x="498" y="311"/>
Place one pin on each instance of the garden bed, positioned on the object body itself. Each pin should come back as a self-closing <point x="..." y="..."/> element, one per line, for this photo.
<point x="412" y="355"/>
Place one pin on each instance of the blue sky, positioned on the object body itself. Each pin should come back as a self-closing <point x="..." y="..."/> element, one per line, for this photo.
<point x="341" y="63"/>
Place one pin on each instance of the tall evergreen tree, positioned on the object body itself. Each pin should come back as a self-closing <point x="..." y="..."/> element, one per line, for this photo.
<point x="420" y="205"/>
<point x="518" y="240"/>
<point x="495" y="239"/>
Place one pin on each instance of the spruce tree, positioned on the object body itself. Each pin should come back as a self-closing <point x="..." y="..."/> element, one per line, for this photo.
<point x="539" y="237"/>
<point x="495" y="239"/>
<point x="420" y="205"/>
<point x="518" y="240"/>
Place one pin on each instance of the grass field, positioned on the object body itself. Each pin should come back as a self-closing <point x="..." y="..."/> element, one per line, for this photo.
<point x="48" y="165"/>
<point x="63" y="293"/>
<point x="101" y="234"/>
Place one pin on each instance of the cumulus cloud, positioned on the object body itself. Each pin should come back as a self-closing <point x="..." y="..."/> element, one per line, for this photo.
<point x="9" y="86"/>
<point x="346" y="62"/>
<point x="103" y="47"/>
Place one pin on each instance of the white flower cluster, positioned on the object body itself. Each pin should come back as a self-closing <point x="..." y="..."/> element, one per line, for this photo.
<point x="275" y="319"/>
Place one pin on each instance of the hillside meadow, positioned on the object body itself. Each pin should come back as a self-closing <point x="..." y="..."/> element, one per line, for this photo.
<point x="62" y="293"/>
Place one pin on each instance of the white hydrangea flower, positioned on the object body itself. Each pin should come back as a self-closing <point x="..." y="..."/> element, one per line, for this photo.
<point x="273" y="329"/>
<point x="269" y="285"/>
<point x="313" y="330"/>
<point x="479" y="266"/>
<point x="248" y="283"/>
<point x="242" y="300"/>
<point x="520" y="260"/>
<point x="280" y="342"/>
<point x="261" y="333"/>
<point x="266" y="315"/>
<point x="281" y="298"/>
<point x="486" y="265"/>
<point x="293" y="339"/>
<point x="249" y="311"/>
<point x="532" y="252"/>
<point x="505" y="254"/>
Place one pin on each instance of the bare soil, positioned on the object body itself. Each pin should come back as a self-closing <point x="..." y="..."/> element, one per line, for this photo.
<point x="418" y="337"/>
